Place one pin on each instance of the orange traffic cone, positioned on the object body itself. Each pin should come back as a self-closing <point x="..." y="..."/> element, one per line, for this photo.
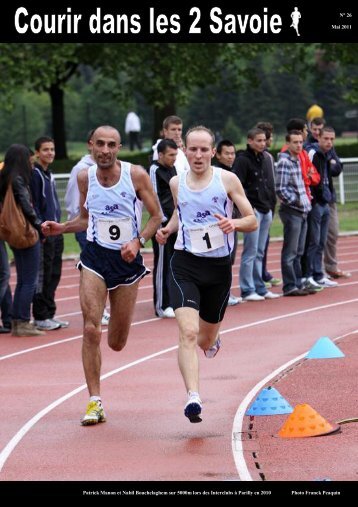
<point x="306" y="422"/>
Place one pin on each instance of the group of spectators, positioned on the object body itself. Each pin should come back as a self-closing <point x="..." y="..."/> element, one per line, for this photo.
<point x="38" y="268"/>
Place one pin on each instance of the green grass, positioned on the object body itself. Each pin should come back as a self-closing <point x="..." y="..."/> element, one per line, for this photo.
<point x="72" y="248"/>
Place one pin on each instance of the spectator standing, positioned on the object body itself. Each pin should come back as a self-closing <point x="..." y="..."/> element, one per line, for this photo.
<point x="132" y="129"/>
<point x="17" y="172"/>
<point x="270" y="280"/>
<point x="330" y="250"/>
<point x="319" y="217"/>
<point x="47" y="207"/>
<point x="173" y="129"/>
<point x="161" y="172"/>
<point x="294" y="208"/>
<point x="255" y="173"/>
<point x="5" y="290"/>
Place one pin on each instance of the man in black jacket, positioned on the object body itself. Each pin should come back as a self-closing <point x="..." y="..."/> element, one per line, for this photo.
<point x="47" y="207"/>
<point x="322" y="196"/>
<point x="254" y="169"/>
<point x="161" y="172"/>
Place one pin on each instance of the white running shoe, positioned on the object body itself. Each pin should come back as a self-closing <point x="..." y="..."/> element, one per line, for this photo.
<point x="233" y="300"/>
<point x="94" y="414"/>
<point x="63" y="323"/>
<point x="47" y="324"/>
<point x="193" y="407"/>
<point x="312" y="282"/>
<point x="214" y="349"/>
<point x="271" y="295"/>
<point x="326" y="282"/>
<point x="253" y="297"/>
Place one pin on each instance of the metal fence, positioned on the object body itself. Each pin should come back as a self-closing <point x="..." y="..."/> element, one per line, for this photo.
<point x="346" y="186"/>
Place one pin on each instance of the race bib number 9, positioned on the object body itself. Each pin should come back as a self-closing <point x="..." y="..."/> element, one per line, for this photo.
<point x="205" y="239"/>
<point x="116" y="230"/>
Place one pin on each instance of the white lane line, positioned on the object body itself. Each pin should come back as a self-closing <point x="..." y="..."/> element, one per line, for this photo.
<point x="237" y="447"/>
<point x="157" y="318"/>
<point x="288" y="315"/>
<point x="142" y="287"/>
<point x="7" y="450"/>
<point x="233" y="286"/>
<point x="59" y="342"/>
<point x="5" y="453"/>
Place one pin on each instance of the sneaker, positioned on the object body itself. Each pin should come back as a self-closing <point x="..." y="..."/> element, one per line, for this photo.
<point x="275" y="282"/>
<point x="253" y="297"/>
<point x="325" y="282"/>
<point x="233" y="300"/>
<point x="296" y="292"/>
<point x="312" y="282"/>
<point x="271" y="295"/>
<point x="214" y="349"/>
<point x="25" y="328"/>
<point x="47" y="325"/>
<point x="168" y="313"/>
<point x="192" y="409"/>
<point x="268" y="285"/>
<point x="309" y="290"/>
<point x="105" y="318"/>
<point x="312" y="286"/>
<point x="63" y="323"/>
<point x="94" y="414"/>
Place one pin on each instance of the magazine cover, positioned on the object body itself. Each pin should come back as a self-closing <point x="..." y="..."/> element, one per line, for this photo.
<point x="186" y="323"/>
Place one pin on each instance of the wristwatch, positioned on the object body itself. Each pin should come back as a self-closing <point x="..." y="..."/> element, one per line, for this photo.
<point x="142" y="240"/>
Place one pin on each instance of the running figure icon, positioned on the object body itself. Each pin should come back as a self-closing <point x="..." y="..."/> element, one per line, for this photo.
<point x="296" y="16"/>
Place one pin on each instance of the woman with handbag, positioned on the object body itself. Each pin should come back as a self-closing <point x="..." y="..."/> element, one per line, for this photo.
<point x="17" y="173"/>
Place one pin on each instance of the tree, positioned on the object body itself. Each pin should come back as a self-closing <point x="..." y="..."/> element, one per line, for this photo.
<point x="343" y="58"/>
<point x="166" y="73"/>
<point x="45" y="67"/>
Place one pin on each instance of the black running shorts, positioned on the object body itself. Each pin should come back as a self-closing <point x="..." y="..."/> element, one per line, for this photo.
<point x="109" y="265"/>
<point x="202" y="283"/>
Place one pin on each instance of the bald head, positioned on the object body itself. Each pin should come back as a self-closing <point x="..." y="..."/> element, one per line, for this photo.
<point x="106" y="143"/>
<point x="106" y="129"/>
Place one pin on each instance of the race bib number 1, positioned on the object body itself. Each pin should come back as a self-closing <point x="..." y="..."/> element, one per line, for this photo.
<point x="116" y="231"/>
<point x="205" y="239"/>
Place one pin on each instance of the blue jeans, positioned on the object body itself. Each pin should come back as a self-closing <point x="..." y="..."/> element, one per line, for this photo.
<point x="252" y="255"/>
<point x="319" y="221"/>
<point x="27" y="261"/>
<point x="294" y="237"/>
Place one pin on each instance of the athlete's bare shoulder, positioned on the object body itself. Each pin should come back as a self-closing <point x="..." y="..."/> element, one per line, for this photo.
<point x="139" y="176"/>
<point x="82" y="179"/>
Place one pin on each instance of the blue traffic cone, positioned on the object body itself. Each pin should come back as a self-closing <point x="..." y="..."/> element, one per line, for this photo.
<point x="324" y="348"/>
<point x="269" y="402"/>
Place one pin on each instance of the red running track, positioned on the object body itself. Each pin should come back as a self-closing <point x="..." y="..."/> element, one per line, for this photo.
<point x="147" y="437"/>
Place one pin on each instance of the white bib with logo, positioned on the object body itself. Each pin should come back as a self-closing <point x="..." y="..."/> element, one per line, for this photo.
<point x="116" y="231"/>
<point x="207" y="238"/>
